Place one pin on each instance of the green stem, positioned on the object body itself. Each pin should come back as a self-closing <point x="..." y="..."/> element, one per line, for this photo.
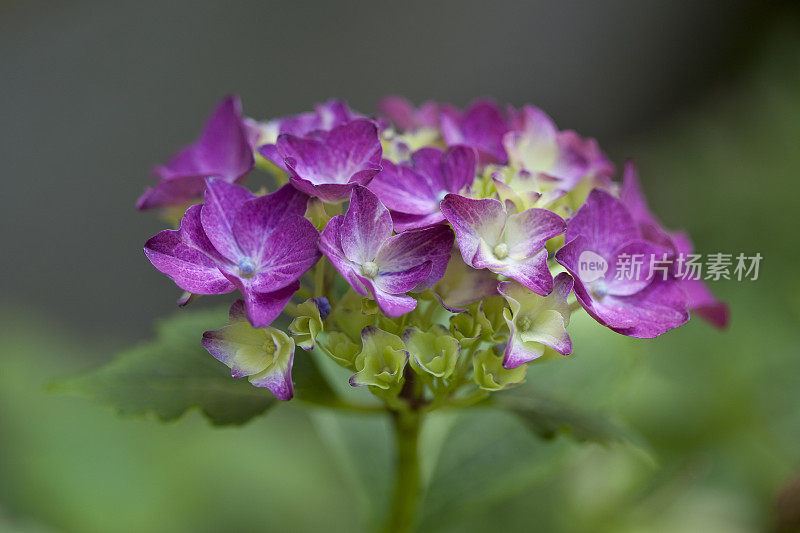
<point x="403" y="516"/>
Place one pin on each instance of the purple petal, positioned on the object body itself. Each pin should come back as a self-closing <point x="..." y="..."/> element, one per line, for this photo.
<point x="222" y="202"/>
<point x="260" y="222"/>
<point x="604" y="222"/>
<point x="222" y="151"/>
<point x="701" y="300"/>
<point x="527" y="232"/>
<point x="171" y="192"/>
<point x="463" y="285"/>
<point x="263" y="308"/>
<point x="278" y="380"/>
<point x="655" y="310"/>
<point x="412" y="248"/>
<point x="651" y="311"/>
<point x="347" y="154"/>
<point x="330" y="246"/>
<point x="482" y="127"/>
<point x="473" y="221"/>
<point x="186" y="257"/>
<point x="404" y="189"/>
<point x="619" y="280"/>
<point x="365" y="227"/>
<point x="403" y="114"/>
<point x="532" y="272"/>
<point x="392" y="305"/>
<point x="405" y="222"/>
<point x="402" y="281"/>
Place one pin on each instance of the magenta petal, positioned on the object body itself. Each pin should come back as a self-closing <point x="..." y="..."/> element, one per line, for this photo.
<point x="405" y="222"/>
<point x="533" y="273"/>
<point x="188" y="258"/>
<point x="222" y="151"/>
<point x="393" y="305"/>
<point x="263" y="308"/>
<point x="222" y="202"/>
<point x="401" y="281"/>
<point x="701" y="300"/>
<point x="365" y="226"/>
<point x="482" y="127"/>
<point x="412" y="248"/>
<point x="660" y="307"/>
<point x="347" y="154"/>
<point x="527" y="232"/>
<point x="278" y="382"/>
<point x="404" y="189"/>
<point x="171" y="192"/>
<point x="472" y="221"/>
<point x="278" y="213"/>
<point x="403" y="114"/>
<point x="604" y="222"/>
<point x="331" y="248"/>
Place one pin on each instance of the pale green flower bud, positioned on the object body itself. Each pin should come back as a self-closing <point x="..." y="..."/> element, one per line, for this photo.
<point x="433" y="351"/>
<point x="381" y="361"/>
<point x="342" y="350"/>
<point x="307" y="324"/>
<point x="490" y="374"/>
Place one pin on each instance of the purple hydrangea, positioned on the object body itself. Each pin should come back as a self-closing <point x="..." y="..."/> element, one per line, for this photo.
<point x="328" y="164"/>
<point x="601" y="239"/>
<point x="535" y="145"/>
<point x="222" y="151"/>
<point x="361" y="247"/>
<point x="406" y="117"/>
<point x="413" y="191"/>
<point x="482" y="126"/>
<point x="325" y="117"/>
<point x="700" y="298"/>
<point x="260" y="245"/>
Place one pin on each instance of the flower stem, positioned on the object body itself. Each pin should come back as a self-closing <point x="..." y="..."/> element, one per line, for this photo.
<point x="403" y="516"/>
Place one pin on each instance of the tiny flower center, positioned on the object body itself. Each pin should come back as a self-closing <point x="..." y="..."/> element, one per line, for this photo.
<point x="269" y="347"/>
<point x="247" y="268"/>
<point x="524" y="323"/>
<point x="369" y="269"/>
<point x="598" y="290"/>
<point x="501" y="251"/>
<point x="441" y="195"/>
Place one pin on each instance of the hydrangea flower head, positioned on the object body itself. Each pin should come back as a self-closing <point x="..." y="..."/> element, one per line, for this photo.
<point x="442" y="231"/>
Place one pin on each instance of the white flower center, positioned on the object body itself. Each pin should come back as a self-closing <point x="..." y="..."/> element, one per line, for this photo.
<point x="501" y="251"/>
<point x="247" y="268"/>
<point x="524" y="323"/>
<point x="369" y="269"/>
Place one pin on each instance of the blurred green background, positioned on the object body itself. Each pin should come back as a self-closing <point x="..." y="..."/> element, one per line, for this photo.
<point x="718" y="413"/>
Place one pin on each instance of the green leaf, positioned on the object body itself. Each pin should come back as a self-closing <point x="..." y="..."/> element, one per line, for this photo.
<point x="547" y="417"/>
<point x="171" y="374"/>
<point x="310" y="385"/>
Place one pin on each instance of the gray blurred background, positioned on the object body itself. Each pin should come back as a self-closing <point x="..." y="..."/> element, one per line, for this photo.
<point x="93" y="94"/>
